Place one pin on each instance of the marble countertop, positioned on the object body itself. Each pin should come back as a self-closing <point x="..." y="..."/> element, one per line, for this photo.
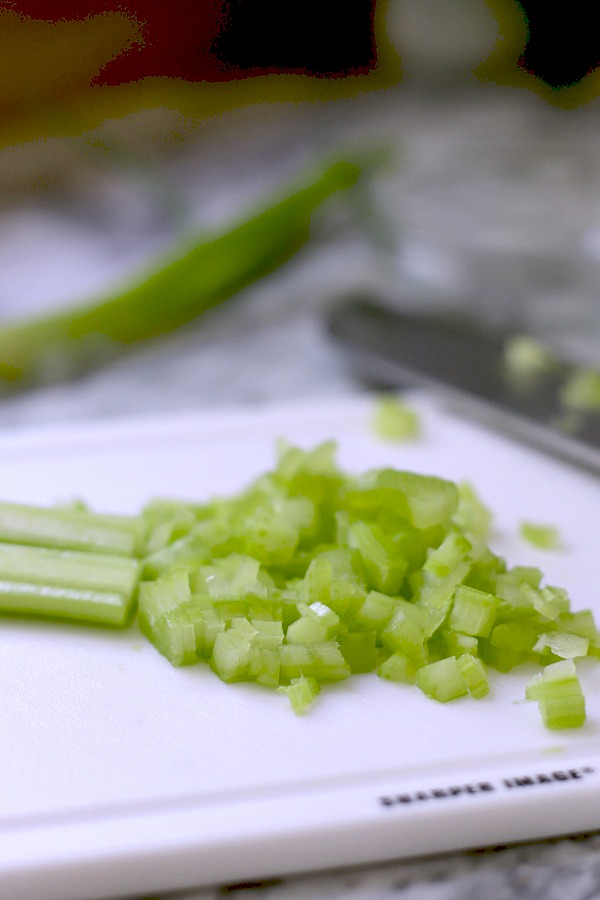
<point x="270" y="344"/>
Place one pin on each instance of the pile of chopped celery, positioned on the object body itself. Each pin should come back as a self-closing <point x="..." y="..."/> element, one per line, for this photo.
<point x="311" y="575"/>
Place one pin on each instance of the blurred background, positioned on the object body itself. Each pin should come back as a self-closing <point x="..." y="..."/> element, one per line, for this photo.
<point x="130" y="129"/>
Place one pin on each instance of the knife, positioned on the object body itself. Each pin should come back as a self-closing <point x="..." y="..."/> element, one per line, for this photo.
<point x="466" y="362"/>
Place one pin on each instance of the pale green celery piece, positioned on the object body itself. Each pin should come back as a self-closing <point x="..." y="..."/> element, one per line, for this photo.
<point x="558" y="692"/>
<point x="79" y="604"/>
<point x="264" y="665"/>
<point x="442" y="680"/>
<point x="473" y="671"/>
<point x="295" y="659"/>
<point x="443" y="560"/>
<point x="328" y="662"/>
<point x="581" y="622"/>
<point x="472" y="515"/>
<point x="359" y="649"/>
<point x="67" y="529"/>
<point x="526" y="357"/>
<point x="346" y="598"/>
<point x="581" y="393"/>
<point x="375" y="612"/>
<point x="548" y="601"/>
<point x="405" y="634"/>
<point x="306" y="630"/>
<point x="511" y="644"/>
<point x="446" y="642"/>
<point x="563" y="712"/>
<point x="191" y="550"/>
<point x="209" y="625"/>
<point x="517" y="635"/>
<point x="293" y="462"/>
<point x="271" y="532"/>
<point x="385" y="569"/>
<point x="395" y="420"/>
<point x="269" y="633"/>
<point x="186" y="633"/>
<point x="165" y="525"/>
<point x="563" y="644"/>
<point x="545" y="537"/>
<point x="156" y="598"/>
<point x="94" y="587"/>
<point x="241" y="623"/>
<point x="69" y="568"/>
<point x="423" y="500"/>
<point x="302" y="693"/>
<point x="322" y="613"/>
<point x="437" y="616"/>
<point x="234" y="578"/>
<point x="398" y="667"/>
<point x="322" y="660"/>
<point x="435" y="592"/>
<point x="231" y="655"/>
<point x="331" y="579"/>
<point x="510" y="587"/>
<point x="473" y="612"/>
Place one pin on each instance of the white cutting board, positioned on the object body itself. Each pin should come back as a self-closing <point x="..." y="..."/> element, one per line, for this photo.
<point x="121" y="774"/>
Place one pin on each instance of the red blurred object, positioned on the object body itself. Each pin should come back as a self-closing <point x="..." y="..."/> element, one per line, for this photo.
<point x="219" y="40"/>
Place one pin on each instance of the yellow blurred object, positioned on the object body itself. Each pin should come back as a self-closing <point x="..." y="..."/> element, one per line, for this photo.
<point x="44" y="62"/>
<point x="47" y="71"/>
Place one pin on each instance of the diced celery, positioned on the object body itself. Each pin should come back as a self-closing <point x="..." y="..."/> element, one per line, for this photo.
<point x="398" y="667"/>
<point x="307" y="576"/>
<point x="405" y="634"/>
<point x="549" y="601"/>
<point x="442" y="680"/>
<point x="395" y="420"/>
<point x="302" y="692"/>
<point x="473" y="671"/>
<point x="264" y="665"/>
<point x="162" y="596"/>
<point x="446" y="642"/>
<point x="269" y="633"/>
<point x="471" y="514"/>
<point x="453" y="550"/>
<point x="384" y="567"/>
<point x="323" y="660"/>
<point x="558" y="692"/>
<point x="424" y="500"/>
<point x="375" y="612"/>
<point x="582" y="391"/>
<point x="546" y="537"/>
<point x="359" y="650"/>
<point x="473" y="611"/>
<point x="231" y="655"/>
<point x="435" y="592"/>
<point x="306" y="630"/>
<point x="563" y="644"/>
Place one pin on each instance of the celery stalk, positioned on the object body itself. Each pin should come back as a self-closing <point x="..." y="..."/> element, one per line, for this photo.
<point x="197" y="275"/>
<point x="67" y="529"/>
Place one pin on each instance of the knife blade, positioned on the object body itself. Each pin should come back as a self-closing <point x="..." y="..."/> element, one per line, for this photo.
<point x="466" y="362"/>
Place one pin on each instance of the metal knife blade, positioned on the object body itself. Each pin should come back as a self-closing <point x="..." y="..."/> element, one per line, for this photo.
<point x="466" y="362"/>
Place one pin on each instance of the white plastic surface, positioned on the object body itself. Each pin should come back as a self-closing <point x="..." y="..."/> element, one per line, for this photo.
<point x="120" y="774"/>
